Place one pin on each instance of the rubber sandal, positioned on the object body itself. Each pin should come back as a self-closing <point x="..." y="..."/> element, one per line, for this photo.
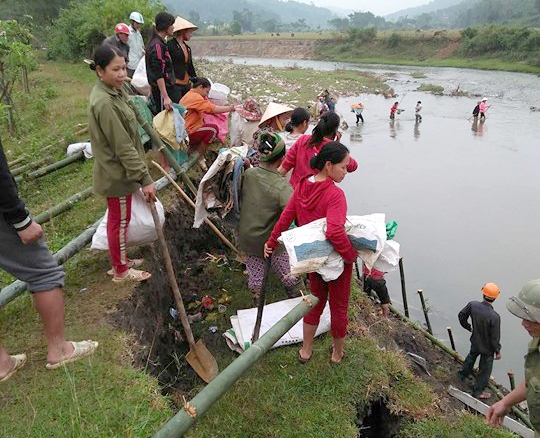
<point x="20" y="360"/>
<point x="332" y="353"/>
<point x="302" y="359"/>
<point x="132" y="263"/>
<point x="81" y="350"/>
<point x="133" y="275"/>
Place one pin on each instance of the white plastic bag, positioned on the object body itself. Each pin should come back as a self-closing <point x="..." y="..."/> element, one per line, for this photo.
<point x="140" y="80"/>
<point x="141" y="229"/>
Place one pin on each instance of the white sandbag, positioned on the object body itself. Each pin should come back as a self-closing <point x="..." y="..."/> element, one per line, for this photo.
<point x="139" y="80"/>
<point x="84" y="146"/>
<point x="239" y="337"/>
<point x="388" y="260"/>
<point x="141" y="229"/>
<point x="242" y="130"/>
<point x="308" y="248"/>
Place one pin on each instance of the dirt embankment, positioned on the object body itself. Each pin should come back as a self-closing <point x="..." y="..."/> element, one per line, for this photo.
<point x="275" y="47"/>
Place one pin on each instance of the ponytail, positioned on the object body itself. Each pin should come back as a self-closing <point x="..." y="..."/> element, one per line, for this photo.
<point x="333" y="151"/>
<point x="327" y="126"/>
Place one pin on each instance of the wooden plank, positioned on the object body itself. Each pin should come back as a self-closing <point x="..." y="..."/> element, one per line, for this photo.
<point x="482" y="408"/>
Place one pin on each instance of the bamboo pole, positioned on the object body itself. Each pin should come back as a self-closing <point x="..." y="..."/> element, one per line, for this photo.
<point x="56" y="166"/>
<point x="403" y="290"/>
<point x="512" y="380"/>
<point x="199" y="405"/>
<point x="24" y="80"/>
<point x="451" y="336"/>
<point x="16" y="161"/>
<point x="63" y="206"/>
<point x="425" y="310"/>
<point x="26" y="167"/>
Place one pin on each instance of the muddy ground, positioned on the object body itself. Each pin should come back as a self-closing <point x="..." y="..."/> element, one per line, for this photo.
<point x="159" y="344"/>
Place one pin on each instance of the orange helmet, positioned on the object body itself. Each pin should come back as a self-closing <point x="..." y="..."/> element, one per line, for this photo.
<point x="122" y="28"/>
<point x="491" y="290"/>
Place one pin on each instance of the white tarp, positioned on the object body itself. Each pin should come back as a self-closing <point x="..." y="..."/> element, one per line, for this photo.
<point x="200" y="203"/>
<point x="239" y="337"/>
<point x="141" y="229"/>
<point x="310" y="251"/>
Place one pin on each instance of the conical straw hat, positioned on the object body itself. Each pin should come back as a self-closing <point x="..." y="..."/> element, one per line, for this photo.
<point x="274" y="109"/>
<point x="182" y="24"/>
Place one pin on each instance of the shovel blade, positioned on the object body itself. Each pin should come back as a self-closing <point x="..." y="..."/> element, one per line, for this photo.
<point x="202" y="362"/>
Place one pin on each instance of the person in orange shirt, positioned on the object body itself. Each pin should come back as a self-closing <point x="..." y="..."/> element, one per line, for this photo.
<point x="197" y="104"/>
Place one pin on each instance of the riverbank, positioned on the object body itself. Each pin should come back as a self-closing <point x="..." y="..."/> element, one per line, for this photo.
<point x="423" y="48"/>
<point x="138" y="377"/>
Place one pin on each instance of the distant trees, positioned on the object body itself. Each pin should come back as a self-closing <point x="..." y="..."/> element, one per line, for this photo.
<point x="359" y="20"/>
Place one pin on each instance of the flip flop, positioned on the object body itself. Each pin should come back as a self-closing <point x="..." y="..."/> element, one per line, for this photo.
<point x="133" y="275"/>
<point x="20" y="360"/>
<point x="81" y="350"/>
<point x="332" y="353"/>
<point x="132" y="263"/>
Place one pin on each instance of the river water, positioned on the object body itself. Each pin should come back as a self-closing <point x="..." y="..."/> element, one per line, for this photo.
<point x="466" y="197"/>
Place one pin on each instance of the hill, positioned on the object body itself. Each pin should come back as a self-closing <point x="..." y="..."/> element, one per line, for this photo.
<point x="432" y="6"/>
<point x="254" y="14"/>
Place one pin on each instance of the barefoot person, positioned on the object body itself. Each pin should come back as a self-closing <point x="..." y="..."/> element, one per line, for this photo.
<point x="525" y="306"/>
<point x="485" y="338"/>
<point x="120" y="167"/>
<point x="315" y="197"/>
<point x="24" y="254"/>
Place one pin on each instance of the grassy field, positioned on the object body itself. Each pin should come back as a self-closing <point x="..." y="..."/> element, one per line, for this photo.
<point x="106" y="395"/>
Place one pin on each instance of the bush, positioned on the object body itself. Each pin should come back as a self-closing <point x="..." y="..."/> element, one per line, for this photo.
<point x="364" y="35"/>
<point x="393" y="40"/>
<point x="85" y="23"/>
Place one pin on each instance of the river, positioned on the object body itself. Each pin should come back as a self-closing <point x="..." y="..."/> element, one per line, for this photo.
<point x="466" y="197"/>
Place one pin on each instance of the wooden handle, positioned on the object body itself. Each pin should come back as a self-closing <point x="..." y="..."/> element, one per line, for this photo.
<point x="172" y="278"/>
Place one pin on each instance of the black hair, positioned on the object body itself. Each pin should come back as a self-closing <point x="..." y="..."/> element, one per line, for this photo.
<point x="489" y="299"/>
<point x="333" y="151"/>
<point x="327" y="126"/>
<point x="201" y="82"/>
<point x="162" y="22"/>
<point x="298" y="116"/>
<point x="103" y="55"/>
<point x="267" y="144"/>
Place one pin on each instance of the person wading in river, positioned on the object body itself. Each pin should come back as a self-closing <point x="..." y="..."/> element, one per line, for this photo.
<point x="485" y="338"/>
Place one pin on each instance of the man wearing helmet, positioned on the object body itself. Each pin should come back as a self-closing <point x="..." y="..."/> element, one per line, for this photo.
<point x="527" y="307"/>
<point x="486" y="334"/>
<point x="135" y="42"/>
<point x="120" y="39"/>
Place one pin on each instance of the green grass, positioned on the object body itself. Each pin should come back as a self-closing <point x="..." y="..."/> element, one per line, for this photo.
<point x="430" y="88"/>
<point x="418" y="75"/>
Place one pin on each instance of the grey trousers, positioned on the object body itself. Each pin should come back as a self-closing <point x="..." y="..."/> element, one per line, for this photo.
<point x="33" y="263"/>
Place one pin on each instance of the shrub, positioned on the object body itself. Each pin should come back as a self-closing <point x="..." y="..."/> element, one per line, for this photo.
<point x="364" y="35"/>
<point x="393" y="40"/>
<point x="85" y="23"/>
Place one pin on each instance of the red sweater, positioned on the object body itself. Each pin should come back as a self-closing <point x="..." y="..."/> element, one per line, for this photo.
<point x="299" y="156"/>
<point x="316" y="200"/>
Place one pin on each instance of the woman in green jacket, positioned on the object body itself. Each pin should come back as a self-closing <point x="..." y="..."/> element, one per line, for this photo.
<point x="120" y="167"/>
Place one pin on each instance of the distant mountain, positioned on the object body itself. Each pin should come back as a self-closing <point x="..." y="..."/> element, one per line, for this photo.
<point x="432" y="6"/>
<point x="214" y="11"/>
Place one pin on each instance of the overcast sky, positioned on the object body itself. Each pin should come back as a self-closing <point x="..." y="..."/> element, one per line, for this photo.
<point x="380" y="7"/>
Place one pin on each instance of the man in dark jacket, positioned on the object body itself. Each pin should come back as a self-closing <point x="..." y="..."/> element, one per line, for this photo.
<point x="24" y="254"/>
<point x="485" y="338"/>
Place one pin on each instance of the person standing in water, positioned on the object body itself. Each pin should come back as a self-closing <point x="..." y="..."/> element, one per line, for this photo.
<point x="476" y="111"/>
<point x="393" y="110"/>
<point x="483" y="107"/>
<point x="417" y="110"/>
<point x="358" y="109"/>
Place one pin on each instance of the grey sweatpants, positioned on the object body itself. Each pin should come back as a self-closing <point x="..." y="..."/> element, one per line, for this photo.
<point x="33" y="263"/>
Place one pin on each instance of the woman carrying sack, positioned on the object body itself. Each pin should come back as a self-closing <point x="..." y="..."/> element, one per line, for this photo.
<point x="316" y="197"/>
<point x="120" y="168"/>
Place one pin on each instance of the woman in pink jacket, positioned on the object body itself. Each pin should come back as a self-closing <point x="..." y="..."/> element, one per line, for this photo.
<point x="307" y="146"/>
<point x="315" y="197"/>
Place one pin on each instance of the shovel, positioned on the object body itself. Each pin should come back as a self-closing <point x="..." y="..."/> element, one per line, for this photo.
<point x="199" y="357"/>
<point x="260" y="306"/>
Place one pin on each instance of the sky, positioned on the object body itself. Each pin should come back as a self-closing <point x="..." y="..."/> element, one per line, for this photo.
<point x="380" y="7"/>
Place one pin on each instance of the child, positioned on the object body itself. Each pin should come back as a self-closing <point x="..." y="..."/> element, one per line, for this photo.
<point x="357" y="109"/>
<point x="393" y="110"/>
<point x="417" y="110"/>
<point x="374" y="281"/>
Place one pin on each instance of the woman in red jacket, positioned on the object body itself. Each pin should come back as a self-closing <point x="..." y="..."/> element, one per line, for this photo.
<point x="307" y="146"/>
<point x="316" y="197"/>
